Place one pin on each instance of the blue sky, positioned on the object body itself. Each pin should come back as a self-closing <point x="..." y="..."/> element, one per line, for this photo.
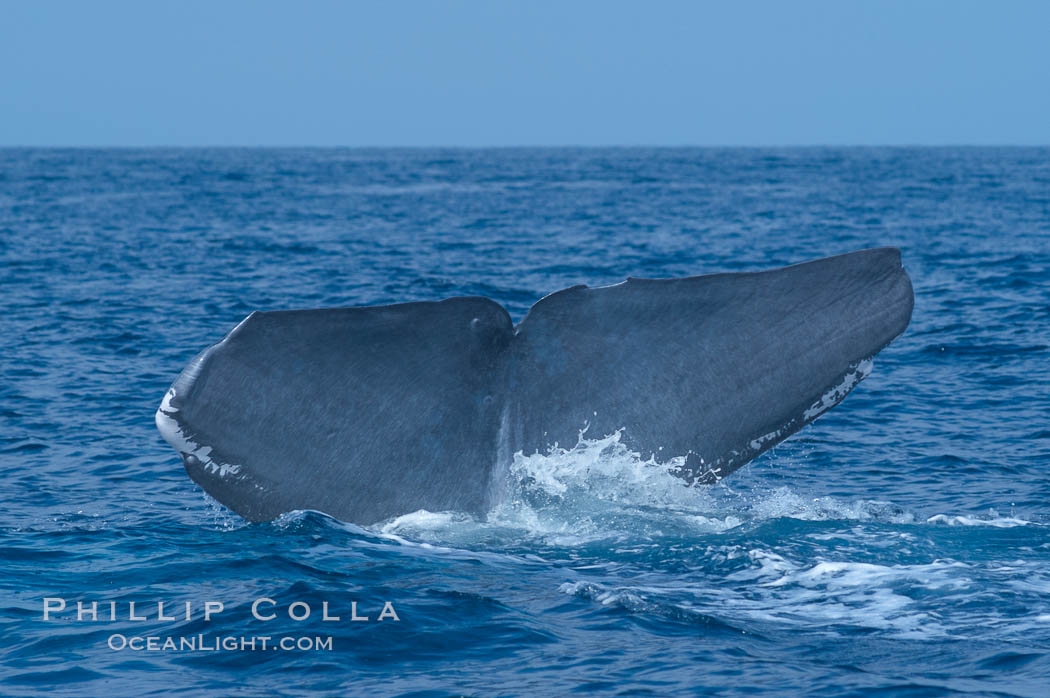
<point x="524" y="73"/>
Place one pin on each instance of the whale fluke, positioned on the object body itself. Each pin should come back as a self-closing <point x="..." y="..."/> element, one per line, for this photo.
<point x="368" y="413"/>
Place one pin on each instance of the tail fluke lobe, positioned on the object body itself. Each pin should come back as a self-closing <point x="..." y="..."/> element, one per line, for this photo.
<point x="709" y="370"/>
<point x="362" y="413"/>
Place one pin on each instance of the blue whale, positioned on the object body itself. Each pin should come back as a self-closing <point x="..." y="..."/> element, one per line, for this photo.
<point x="372" y="412"/>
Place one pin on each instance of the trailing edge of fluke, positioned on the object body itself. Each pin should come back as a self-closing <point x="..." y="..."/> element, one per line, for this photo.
<point x="368" y="413"/>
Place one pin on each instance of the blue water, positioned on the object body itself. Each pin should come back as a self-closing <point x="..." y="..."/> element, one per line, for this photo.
<point x="900" y="545"/>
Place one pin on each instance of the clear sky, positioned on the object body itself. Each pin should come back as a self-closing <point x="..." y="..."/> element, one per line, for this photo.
<point x="230" y="72"/>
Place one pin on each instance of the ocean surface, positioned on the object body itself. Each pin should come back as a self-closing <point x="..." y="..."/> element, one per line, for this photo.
<point x="900" y="545"/>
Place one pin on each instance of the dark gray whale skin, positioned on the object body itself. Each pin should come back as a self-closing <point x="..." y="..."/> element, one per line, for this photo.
<point x="368" y="413"/>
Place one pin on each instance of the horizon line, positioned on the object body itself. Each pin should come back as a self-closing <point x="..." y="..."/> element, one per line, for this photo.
<point x="332" y="146"/>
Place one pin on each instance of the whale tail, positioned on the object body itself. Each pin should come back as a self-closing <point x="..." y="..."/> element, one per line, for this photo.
<point x="367" y="413"/>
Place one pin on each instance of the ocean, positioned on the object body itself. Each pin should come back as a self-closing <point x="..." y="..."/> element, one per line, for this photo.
<point x="899" y="545"/>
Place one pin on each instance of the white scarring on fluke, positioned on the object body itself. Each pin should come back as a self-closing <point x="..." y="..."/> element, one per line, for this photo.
<point x="840" y="391"/>
<point x="171" y="431"/>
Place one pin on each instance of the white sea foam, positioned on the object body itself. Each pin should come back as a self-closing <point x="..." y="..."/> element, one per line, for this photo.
<point x="783" y="502"/>
<point x="606" y="469"/>
<point x="599" y="488"/>
<point x="860" y="594"/>
<point x="820" y="595"/>
<point x="993" y="520"/>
